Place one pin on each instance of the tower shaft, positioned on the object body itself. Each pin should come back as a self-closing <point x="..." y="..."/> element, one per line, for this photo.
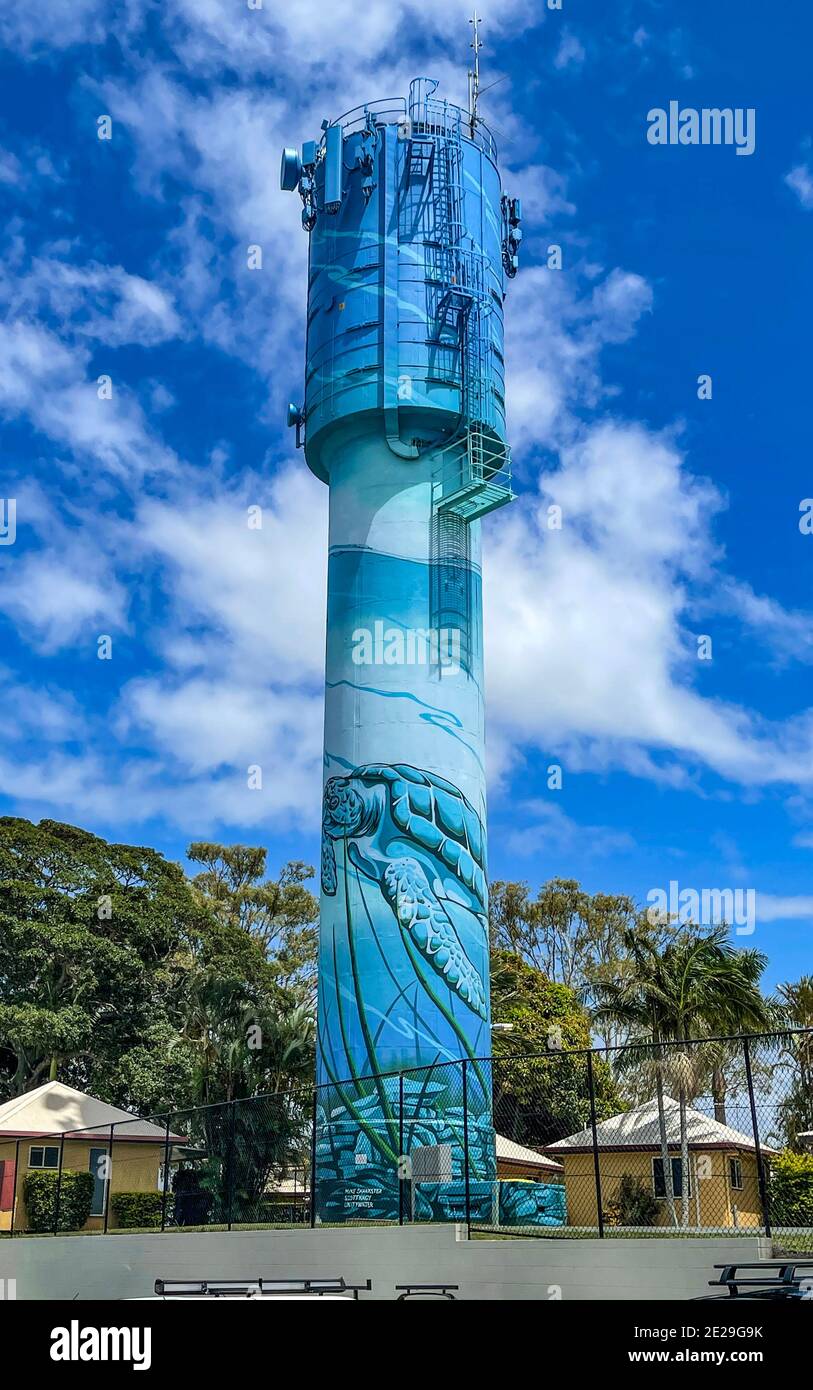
<point x="410" y="241"/>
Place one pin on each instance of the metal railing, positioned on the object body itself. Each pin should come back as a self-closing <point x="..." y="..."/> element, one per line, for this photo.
<point x="661" y="1140"/>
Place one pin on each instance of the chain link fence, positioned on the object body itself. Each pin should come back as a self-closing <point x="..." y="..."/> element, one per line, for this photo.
<point x="679" y="1139"/>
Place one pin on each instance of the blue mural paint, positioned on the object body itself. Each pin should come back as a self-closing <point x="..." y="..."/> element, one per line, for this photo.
<point x="411" y="240"/>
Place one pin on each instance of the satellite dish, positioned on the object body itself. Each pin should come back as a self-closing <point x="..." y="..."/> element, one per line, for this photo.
<point x="290" y="171"/>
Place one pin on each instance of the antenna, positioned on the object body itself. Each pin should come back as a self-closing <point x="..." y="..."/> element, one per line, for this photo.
<point x="474" y="74"/>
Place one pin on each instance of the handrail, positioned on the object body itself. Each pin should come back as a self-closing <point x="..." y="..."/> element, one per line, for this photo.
<point x="432" y="118"/>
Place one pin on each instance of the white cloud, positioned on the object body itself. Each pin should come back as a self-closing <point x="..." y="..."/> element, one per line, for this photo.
<point x="554" y="339"/>
<point x="800" y="180"/>
<point x="786" y="632"/>
<point x="34" y="28"/>
<point x="256" y="595"/>
<point x="543" y="192"/>
<point x="11" y="171"/>
<point x="587" y="650"/>
<point x="63" y="591"/>
<point x="209" y="723"/>
<point x="546" y="827"/>
<point x="772" y="908"/>
<point x="95" y="301"/>
<point x="209" y="33"/>
<point x="38" y="711"/>
<point x="570" y="53"/>
<point x="212" y="35"/>
<point x="53" y="604"/>
<point x="46" y="381"/>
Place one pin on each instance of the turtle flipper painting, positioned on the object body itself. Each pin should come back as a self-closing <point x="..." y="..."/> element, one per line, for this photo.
<point x="389" y="815"/>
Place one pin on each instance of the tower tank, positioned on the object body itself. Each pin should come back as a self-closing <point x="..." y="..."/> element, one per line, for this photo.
<point x="411" y="243"/>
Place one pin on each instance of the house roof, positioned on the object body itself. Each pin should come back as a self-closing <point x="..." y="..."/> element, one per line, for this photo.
<point x="639" y="1129"/>
<point x="508" y="1151"/>
<point x="54" y="1109"/>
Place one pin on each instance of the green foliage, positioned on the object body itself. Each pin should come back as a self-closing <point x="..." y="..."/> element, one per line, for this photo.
<point x="92" y="944"/>
<point x="195" y="1194"/>
<point x="695" y="985"/>
<point x="568" y="934"/>
<point x="136" y="1209"/>
<point x="75" y="1199"/>
<point x="280" y="915"/>
<point x="791" y="1189"/>
<point x="635" y="1204"/>
<point x="248" y="1025"/>
<point x="795" y="1110"/>
<point x="123" y="978"/>
<point x="542" y="1091"/>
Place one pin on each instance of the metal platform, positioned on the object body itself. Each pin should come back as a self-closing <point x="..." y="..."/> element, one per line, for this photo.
<point x="474" y="477"/>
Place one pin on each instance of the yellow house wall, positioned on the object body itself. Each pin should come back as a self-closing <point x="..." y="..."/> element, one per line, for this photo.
<point x="135" y="1168"/>
<point x="711" y="1202"/>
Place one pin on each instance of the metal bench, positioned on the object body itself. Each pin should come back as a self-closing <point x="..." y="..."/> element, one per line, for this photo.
<point x="425" y="1291"/>
<point x="777" y="1279"/>
<point x="256" y="1288"/>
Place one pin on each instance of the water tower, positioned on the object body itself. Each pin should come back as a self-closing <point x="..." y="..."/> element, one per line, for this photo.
<point x="411" y="243"/>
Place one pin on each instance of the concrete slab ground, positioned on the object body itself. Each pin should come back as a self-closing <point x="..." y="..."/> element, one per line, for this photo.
<point x="126" y="1266"/>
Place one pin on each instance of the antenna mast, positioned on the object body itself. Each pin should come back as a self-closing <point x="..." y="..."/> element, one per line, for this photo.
<point x="474" y="74"/>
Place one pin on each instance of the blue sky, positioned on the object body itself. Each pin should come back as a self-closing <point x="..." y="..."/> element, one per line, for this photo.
<point x="126" y="258"/>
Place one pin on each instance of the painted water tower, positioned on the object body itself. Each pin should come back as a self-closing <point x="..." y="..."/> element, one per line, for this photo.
<point x="411" y="242"/>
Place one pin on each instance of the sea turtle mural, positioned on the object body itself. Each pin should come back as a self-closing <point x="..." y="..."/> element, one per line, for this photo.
<point x="422" y="842"/>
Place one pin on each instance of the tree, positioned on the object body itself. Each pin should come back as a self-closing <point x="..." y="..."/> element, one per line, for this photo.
<point x="280" y="914"/>
<point x="794" y="1011"/>
<point x="120" y="977"/>
<point x="93" y="938"/>
<point x="239" y="1042"/>
<point x="634" y="1204"/>
<point x="574" y="938"/>
<point x="697" y="986"/>
<point x="247" y="1059"/>
<point x="251" y="1032"/>
<point x="540" y="1081"/>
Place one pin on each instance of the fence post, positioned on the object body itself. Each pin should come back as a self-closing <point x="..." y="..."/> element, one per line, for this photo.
<point x="166" y="1178"/>
<point x="466" y="1142"/>
<point x="59" y="1183"/>
<point x="230" y="1169"/>
<point x="401" y="1176"/>
<point x="763" y="1186"/>
<point x="596" y="1165"/>
<point x="109" y="1182"/>
<point x="313" y="1157"/>
<point x="16" y="1186"/>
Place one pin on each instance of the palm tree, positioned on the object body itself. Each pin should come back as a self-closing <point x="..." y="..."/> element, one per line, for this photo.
<point x="242" y="1046"/>
<point x="795" y="1009"/>
<point x="635" y="1001"/>
<point x="696" y="985"/>
<point x="753" y="1013"/>
<point x="250" y="1060"/>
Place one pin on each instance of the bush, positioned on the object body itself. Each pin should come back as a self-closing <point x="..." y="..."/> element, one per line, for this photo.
<point x="635" y="1204"/>
<point x="791" y="1189"/>
<point x="136" y="1209"/>
<point x="75" y="1199"/>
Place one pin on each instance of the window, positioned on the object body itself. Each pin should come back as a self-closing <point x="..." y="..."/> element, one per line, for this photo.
<point x="658" y="1184"/>
<point x="43" y="1156"/>
<point x="735" y="1173"/>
